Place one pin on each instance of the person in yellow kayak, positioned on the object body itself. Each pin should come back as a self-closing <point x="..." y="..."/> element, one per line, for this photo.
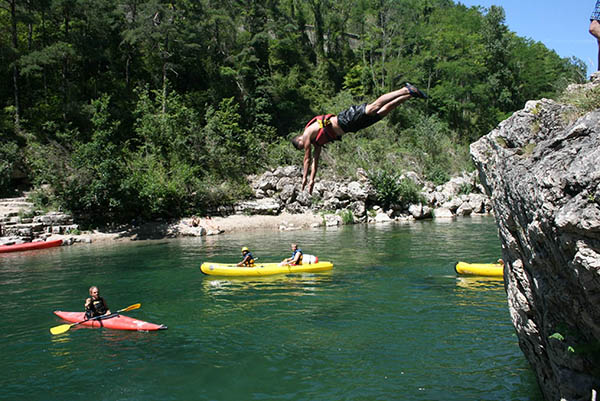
<point x="95" y="305"/>
<point x="248" y="258"/>
<point x="295" y="259"/>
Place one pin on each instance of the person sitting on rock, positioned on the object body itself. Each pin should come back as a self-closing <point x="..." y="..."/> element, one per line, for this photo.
<point x="328" y="128"/>
<point x="195" y="221"/>
<point x="295" y="259"/>
<point x="248" y="258"/>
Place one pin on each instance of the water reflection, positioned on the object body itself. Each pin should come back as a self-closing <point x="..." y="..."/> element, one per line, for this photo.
<point x="479" y="283"/>
<point x="290" y="285"/>
<point x="61" y="350"/>
<point x="480" y="292"/>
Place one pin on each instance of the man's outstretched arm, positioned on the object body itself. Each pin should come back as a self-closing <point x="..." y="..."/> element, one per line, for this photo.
<point x="313" y="170"/>
<point x="306" y="164"/>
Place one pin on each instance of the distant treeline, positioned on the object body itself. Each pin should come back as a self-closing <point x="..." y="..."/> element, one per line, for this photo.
<point x="154" y="108"/>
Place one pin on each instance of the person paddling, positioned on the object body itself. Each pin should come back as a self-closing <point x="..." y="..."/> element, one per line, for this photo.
<point x="295" y="259"/>
<point x="95" y="305"/>
<point x="248" y="258"/>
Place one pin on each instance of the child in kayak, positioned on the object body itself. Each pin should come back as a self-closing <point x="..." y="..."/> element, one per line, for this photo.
<point x="295" y="259"/>
<point x="248" y="258"/>
<point x="95" y="305"/>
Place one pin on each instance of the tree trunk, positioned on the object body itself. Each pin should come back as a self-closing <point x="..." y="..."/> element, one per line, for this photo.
<point x="164" y="88"/>
<point x="317" y="6"/>
<point x="132" y="22"/>
<point x="164" y="75"/>
<point x="65" y="67"/>
<point x="15" y="43"/>
<point x="44" y="43"/>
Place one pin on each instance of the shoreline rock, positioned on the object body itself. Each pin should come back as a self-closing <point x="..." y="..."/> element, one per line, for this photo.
<point x="280" y="190"/>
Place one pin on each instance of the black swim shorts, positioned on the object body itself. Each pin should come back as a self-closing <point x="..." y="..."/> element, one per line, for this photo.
<point x="355" y="118"/>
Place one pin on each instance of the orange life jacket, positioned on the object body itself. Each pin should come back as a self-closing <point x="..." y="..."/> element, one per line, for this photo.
<point x="326" y="133"/>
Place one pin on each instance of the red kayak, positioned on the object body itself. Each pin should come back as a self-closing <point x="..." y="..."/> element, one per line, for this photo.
<point x="118" y="322"/>
<point x="29" y="246"/>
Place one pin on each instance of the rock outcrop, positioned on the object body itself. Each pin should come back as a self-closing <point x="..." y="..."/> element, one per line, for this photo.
<point x="21" y="222"/>
<point x="280" y="191"/>
<point x="541" y="169"/>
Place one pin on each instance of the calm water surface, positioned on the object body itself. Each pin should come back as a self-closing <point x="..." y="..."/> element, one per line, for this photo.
<point x="390" y="322"/>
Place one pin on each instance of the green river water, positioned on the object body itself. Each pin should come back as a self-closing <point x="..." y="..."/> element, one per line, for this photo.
<point x="391" y="321"/>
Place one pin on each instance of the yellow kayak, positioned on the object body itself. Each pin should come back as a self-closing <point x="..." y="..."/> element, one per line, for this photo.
<point x="480" y="269"/>
<point x="262" y="269"/>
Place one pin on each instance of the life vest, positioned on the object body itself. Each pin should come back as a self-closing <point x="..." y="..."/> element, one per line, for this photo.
<point x="326" y="133"/>
<point x="250" y="261"/>
<point x="300" y="258"/>
<point x="96" y="308"/>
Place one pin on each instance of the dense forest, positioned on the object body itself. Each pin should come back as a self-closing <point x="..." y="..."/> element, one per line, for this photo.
<point x="115" y="109"/>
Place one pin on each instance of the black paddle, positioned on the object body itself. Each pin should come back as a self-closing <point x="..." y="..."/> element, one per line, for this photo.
<point x="63" y="328"/>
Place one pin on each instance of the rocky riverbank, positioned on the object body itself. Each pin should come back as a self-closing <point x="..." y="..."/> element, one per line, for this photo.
<point x="356" y="201"/>
<point x="278" y="203"/>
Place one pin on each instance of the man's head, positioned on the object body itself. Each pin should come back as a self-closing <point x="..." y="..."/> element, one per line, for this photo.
<point x="297" y="142"/>
<point x="94" y="293"/>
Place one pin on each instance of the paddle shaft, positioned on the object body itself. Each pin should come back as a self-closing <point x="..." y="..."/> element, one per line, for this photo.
<point x="101" y="317"/>
<point x="65" y="327"/>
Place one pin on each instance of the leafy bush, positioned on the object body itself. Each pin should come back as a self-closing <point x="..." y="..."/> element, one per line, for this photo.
<point x="282" y="153"/>
<point x="9" y="153"/>
<point x="465" y="189"/>
<point x="410" y="193"/>
<point x="435" y="148"/>
<point x="43" y="199"/>
<point x="386" y="185"/>
<point x="391" y="190"/>
<point x="347" y="216"/>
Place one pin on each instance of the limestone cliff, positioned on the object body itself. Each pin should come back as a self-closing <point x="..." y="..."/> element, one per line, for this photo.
<point x="541" y="168"/>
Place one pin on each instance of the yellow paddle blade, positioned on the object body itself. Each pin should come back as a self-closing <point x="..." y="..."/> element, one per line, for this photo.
<point x="131" y="307"/>
<point x="63" y="328"/>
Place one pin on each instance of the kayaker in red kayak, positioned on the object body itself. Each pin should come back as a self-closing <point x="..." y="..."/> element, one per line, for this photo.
<point x="95" y="305"/>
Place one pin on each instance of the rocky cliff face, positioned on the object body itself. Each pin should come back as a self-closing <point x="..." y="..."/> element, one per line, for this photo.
<point x="541" y="169"/>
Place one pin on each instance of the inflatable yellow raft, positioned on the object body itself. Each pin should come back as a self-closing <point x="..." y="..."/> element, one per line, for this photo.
<point x="480" y="269"/>
<point x="262" y="269"/>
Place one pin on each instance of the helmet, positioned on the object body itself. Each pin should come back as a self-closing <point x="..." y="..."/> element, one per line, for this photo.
<point x="245" y="249"/>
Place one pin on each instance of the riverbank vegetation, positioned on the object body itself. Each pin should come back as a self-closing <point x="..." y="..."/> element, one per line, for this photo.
<point x="160" y="108"/>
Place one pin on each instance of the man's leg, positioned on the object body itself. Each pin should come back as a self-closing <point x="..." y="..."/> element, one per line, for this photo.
<point x="388" y="102"/>
<point x="595" y="31"/>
